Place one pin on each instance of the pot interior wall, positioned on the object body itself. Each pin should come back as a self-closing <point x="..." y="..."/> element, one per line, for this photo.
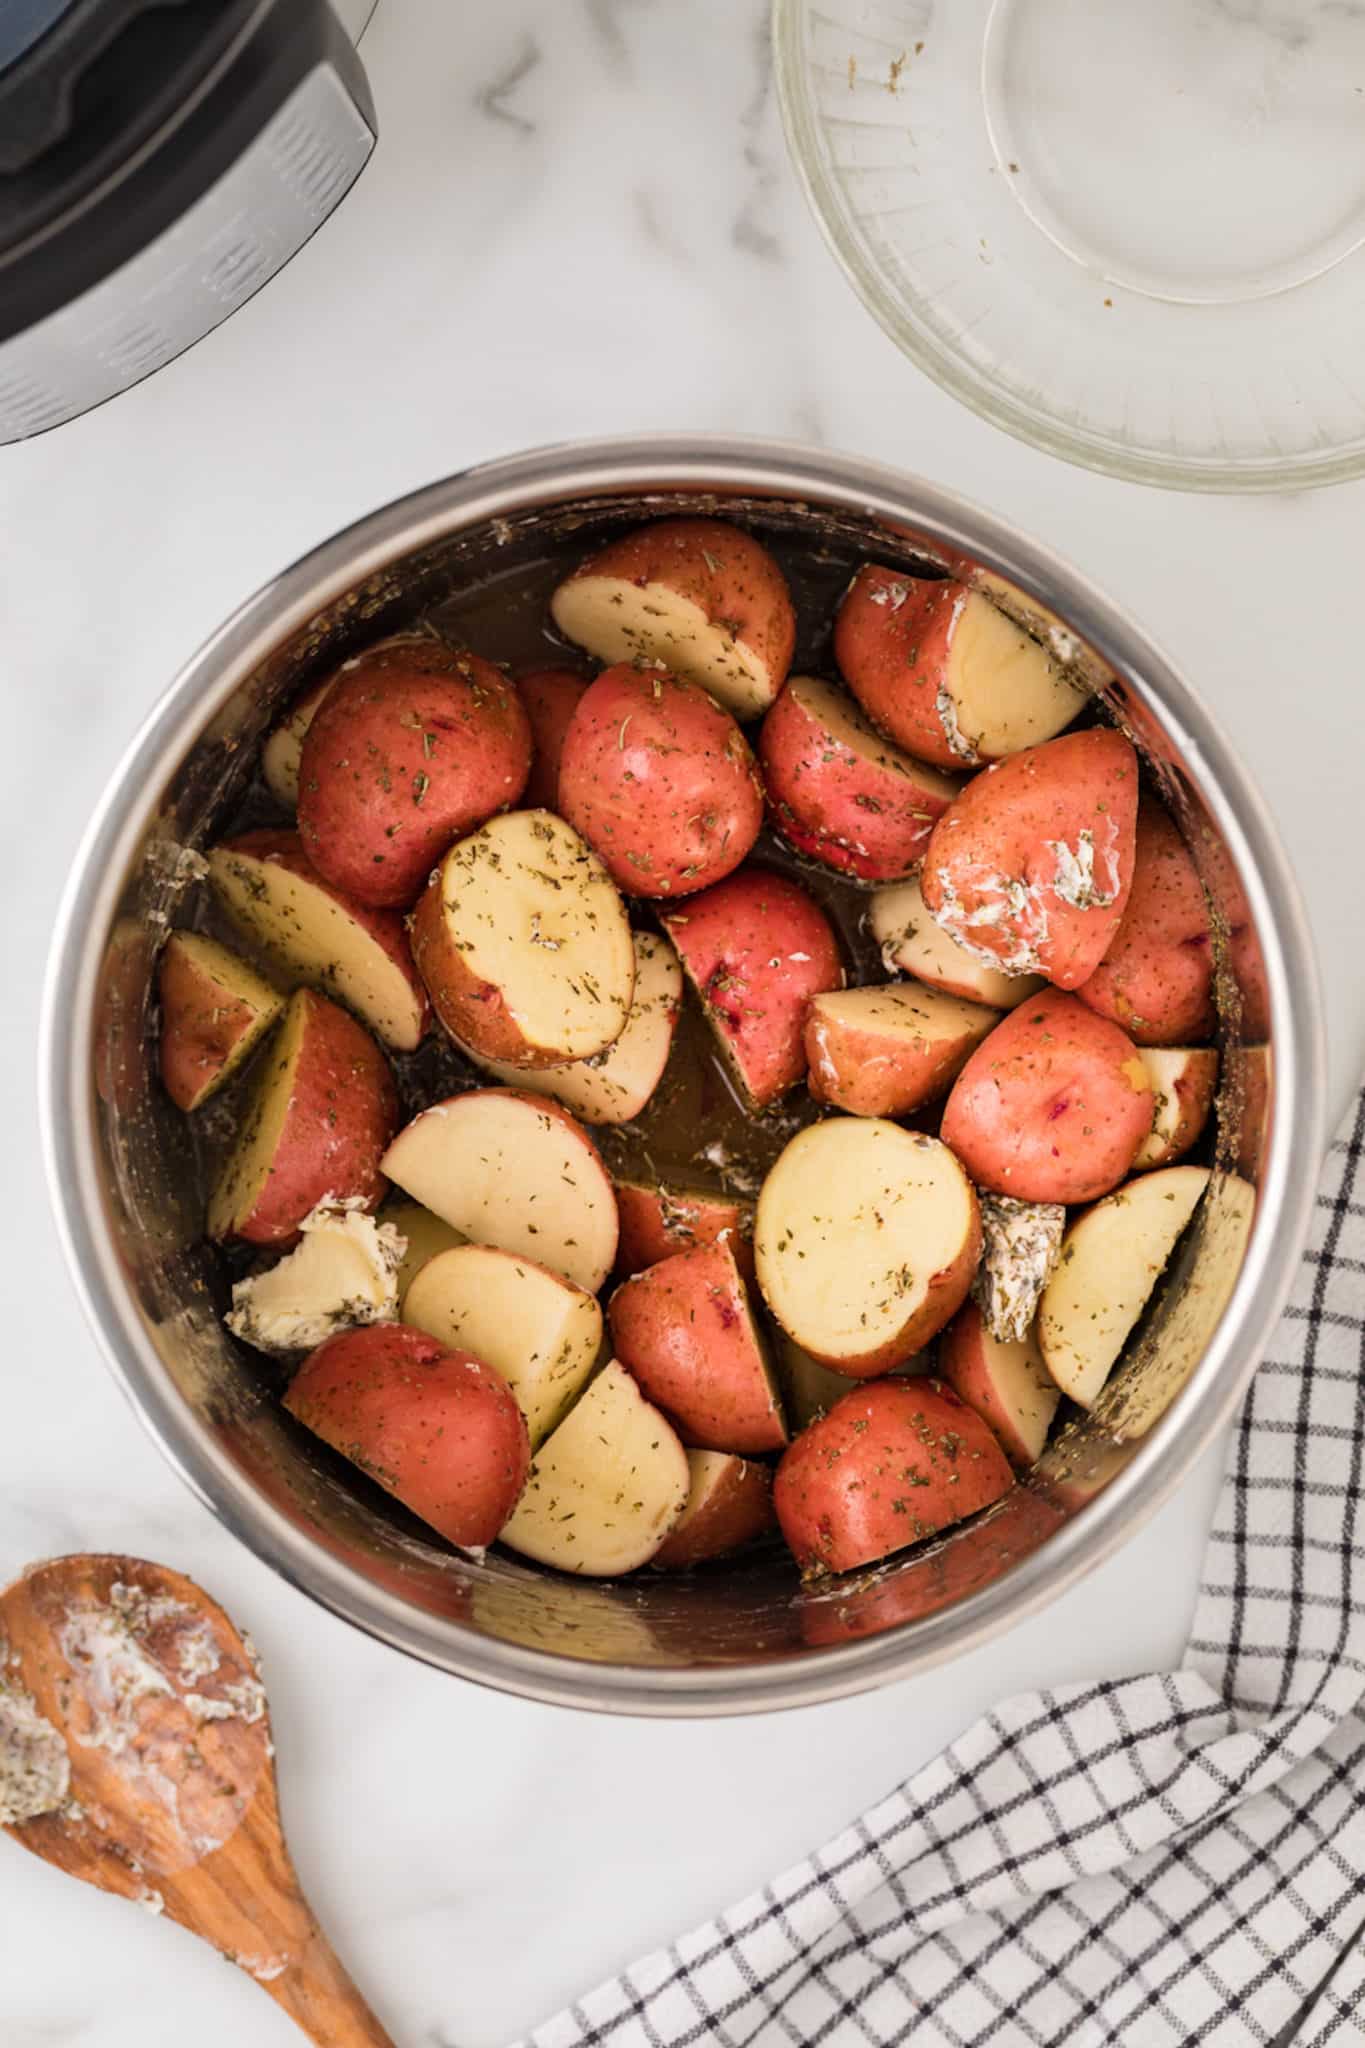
<point x="749" y="1611"/>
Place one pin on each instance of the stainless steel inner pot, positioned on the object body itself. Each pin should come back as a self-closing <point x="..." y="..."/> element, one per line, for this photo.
<point x="724" y="1640"/>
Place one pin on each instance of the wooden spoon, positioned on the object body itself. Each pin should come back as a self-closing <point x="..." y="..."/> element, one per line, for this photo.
<point x="166" y="1793"/>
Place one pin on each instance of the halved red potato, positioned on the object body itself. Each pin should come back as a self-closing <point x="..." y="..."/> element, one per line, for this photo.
<point x="1004" y="1380"/>
<point x="273" y="893"/>
<point x="840" y="792"/>
<point x="515" y="1171"/>
<point x="686" y="1330"/>
<point x="435" y="1428"/>
<point x="1021" y="1243"/>
<point x="322" y="1111"/>
<point x="657" y="1221"/>
<point x="606" y="1487"/>
<point x="889" y="1465"/>
<point x="865" y="1240"/>
<point x="539" y="1331"/>
<point x="810" y="1389"/>
<point x="341" y="1275"/>
<point x="215" y="1010"/>
<point x="1184" y="1081"/>
<point x="660" y="780"/>
<point x="886" y="1051"/>
<point x="1156" y="977"/>
<point x="550" y="697"/>
<point x="423" y="1235"/>
<point x="729" y="1503"/>
<point x="615" y="1085"/>
<point x="1111" y="1261"/>
<point x="696" y="595"/>
<point x="912" y="943"/>
<point x="756" y="948"/>
<point x="1030" y="869"/>
<point x="944" y="672"/>
<point x="414" y="745"/>
<point x="282" y="751"/>
<point x="524" y="944"/>
<point x="1050" y="1108"/>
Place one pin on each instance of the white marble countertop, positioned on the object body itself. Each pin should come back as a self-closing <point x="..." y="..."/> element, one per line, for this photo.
<point x="580" y="220"/>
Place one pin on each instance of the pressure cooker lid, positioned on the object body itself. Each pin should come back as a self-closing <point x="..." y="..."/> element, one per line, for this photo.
<point x="120" y="118"/>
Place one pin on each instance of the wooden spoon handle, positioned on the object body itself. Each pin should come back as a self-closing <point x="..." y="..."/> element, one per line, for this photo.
<point x="320" y="1998"/>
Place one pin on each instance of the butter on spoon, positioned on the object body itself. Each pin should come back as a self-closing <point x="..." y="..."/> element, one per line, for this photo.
<point x="135" y="1754"/>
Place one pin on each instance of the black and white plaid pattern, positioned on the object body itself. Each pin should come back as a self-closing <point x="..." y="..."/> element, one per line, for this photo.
<point x="1159" y="1861"/>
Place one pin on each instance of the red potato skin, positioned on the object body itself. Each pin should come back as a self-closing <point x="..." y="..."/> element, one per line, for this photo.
<point x="892" y="634"/>
<point x="757" y="948"/>
<point x="1053" y="1106"/>
<point x="1156" y="979"/>
<point x="865" y="821"/>
<point x="285" y="849"/>
<point x="660" y="782"/>
<point x="851" y="1070"/>
<point x="342" y="1114"/>
<point x="962" y="1361"/>
<point x="436" y="1428"/>
<point x="723" y="570"/>
<point x="657" y="1222"/>
<point x="737" y="1509"/>
<point x="685" y="1331"/>
<point x="550" y="697"/>
<point x="890" y="1464"/>
<point x="1001" y="831"/>
<point x="412" y="747"/>
<point x="200" y="1025"/>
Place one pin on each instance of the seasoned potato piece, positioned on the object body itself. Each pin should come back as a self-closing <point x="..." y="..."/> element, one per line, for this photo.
<point x="523" y="942"/>
<point x="215" y="1010"/>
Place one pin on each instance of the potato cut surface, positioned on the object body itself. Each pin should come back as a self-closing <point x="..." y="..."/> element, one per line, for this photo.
<point x="1008" y="693"/>
<point x="865" y="1238"/>
<point x="1111" y="1260"/>
<point x="605" y="1489"/>
<point x="887" y="1051"/>
<point x="535" y="929"/>
<point x="1184" y="1079"/>
<point x="537" y="1329"/>
<point x="423" y="1236"/>
<point x="616" y="1084"/>
<point x="508" y="1170"/>
<point x="266" y="884"/>
<point x="912" y="943"/>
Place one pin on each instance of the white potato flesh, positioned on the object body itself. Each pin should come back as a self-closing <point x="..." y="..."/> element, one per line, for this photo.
<point x="615" y="1086"/>
<point x="1023" y="1394"/>
<point x="883" y="1026"/>
<point x="616" y="620"/>
<point x="302" y="925"/>
<point x="423" y="1236"/>
<point x="531" y="1325"/>
<point x="1183" y="1077"/>
<point x="1006" y="692"/>
<point x="513" y="1173"/>
<point x="341" y="1275"/>
<point x="854" y="1222"/>
<point x="605" y="1488"/>
<point x="1111" y="1260"/>
<point x="532" y="912"/>
<point x="281" y="753"/>
<point x="243" y="1176"/>
<point x="912" y="943"/>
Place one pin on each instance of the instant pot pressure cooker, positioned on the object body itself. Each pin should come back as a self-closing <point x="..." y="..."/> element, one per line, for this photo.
<point x="159" y="161"/>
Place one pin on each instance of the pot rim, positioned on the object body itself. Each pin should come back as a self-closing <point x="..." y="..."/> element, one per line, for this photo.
<point x="622" y="465"/>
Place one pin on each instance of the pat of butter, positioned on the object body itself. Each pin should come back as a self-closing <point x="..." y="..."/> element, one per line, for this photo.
<point x="342" y="1274"/>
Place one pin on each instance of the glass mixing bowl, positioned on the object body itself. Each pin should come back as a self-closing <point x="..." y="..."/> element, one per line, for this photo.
<point x="1132" y="235"/>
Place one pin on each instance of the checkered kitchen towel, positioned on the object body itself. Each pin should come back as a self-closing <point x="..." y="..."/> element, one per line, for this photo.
<point x="1171" y="1859"/>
